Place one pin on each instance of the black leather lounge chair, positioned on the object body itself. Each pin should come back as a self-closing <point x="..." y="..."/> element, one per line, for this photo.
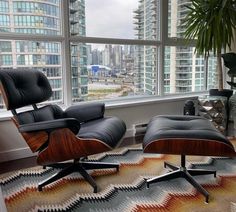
<point x="58" y="135"/>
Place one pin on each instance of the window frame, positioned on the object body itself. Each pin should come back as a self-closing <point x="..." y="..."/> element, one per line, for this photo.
<point x="66" y="38"/>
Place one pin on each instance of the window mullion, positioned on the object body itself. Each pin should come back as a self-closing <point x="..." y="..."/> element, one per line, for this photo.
<point x="163" y="37"/>
<point x="179" y="42"/>
<point x="82" y="39"/>
<point x="66" y="58"/>
<point x="20" y="36"/>
<point x="206" y="74"/>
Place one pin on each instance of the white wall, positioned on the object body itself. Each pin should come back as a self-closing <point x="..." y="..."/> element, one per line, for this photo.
<point x="12" y="145"/>
<point x="142" y="113"/>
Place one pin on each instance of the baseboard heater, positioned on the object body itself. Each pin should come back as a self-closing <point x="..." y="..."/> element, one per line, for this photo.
<point x="140" y="129"/>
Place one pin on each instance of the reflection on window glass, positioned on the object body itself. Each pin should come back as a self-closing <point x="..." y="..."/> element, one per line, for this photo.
<point x="32" y="17"/>
<point x="38" y="55"/>
<point x="184" y="70"/>
<point x="110" y="71"/>
<point x="130" y="19"/>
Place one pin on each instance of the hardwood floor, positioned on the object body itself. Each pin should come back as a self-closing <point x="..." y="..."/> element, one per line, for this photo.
<point x="17" y="164"/>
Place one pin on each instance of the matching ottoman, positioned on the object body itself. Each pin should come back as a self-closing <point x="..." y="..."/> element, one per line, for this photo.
<point x="185" y="135"/>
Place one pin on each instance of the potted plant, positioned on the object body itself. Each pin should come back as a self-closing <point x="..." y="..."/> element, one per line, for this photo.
<point x="213" y="24"/>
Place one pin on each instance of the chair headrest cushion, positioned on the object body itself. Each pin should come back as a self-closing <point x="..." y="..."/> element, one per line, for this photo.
<point x="24" y="87"/>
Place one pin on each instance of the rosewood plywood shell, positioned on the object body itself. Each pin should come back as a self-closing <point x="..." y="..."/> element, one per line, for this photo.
<point x="4" y="95"/>
<point x="64" y="145"/>
<point x="190" y="147"/>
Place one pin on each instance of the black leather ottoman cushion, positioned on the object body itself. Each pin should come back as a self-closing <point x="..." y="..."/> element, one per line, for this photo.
<point x="191" y="132"/>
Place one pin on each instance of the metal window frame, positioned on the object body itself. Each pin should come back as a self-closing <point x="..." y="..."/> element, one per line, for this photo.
<point x="65" y="38"/>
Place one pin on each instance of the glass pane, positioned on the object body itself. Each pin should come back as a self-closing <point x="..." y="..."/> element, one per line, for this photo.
<point x="105" y="71"/>
<point x="212" y="81"/>
<point x="32" y="17"/>
<point x="184" y="70"/>
<point x="38" y="55"/>
<point x="130" y="19"/>
<point x="176" y="13"/>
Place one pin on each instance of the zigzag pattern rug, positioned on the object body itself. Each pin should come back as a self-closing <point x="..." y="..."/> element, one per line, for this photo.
<point x="124" y="190"/>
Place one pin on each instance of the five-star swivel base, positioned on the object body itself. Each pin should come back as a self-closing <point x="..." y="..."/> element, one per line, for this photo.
<point x="187" y="174"/>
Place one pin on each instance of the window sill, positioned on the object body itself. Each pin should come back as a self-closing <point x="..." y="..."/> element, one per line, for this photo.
<point x="5" y="115"/>
<point x="149" y="100"/>
<point x="129" y="102"/>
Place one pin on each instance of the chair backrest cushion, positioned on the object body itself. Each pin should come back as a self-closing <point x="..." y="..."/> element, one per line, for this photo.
<point x="24" y="87"/>
<point x="46" y="113"/>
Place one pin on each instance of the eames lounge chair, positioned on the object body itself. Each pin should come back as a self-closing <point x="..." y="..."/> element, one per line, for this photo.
<point x="57" y="135"/>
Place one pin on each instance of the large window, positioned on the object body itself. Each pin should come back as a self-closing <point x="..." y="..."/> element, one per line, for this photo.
<point x="130" y="19"/>
<point x="103" y="50"/>
<point x="40" y="55"/>
<point x="108" y="71"/>
<point x="121" y="59"/>
<point x="184" y="71"/>
<point x="33" y="18"/>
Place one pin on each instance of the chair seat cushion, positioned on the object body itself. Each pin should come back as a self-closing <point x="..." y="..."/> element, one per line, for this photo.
<point x="108" y="130"/>
<point x="193" y="133"/>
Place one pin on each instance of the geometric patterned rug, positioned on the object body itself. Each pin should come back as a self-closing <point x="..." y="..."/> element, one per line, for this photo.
<point x="124" y="190"/>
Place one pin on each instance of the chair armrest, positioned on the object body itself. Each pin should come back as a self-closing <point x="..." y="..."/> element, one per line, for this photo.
<point x="86" y="111"/>
<point x="70" y="123"/>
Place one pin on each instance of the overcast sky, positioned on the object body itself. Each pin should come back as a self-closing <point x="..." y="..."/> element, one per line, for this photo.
<point x="110" y="18"/>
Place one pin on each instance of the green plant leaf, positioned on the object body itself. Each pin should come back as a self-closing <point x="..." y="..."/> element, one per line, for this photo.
<point x="211" y="22"/>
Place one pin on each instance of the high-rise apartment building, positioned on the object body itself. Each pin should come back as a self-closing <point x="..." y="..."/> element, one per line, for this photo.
<point x="78" y="51"/>
<point x="44" y="18"/>
<point x="181" y="64"/>
<point x="183" y="69"/>
<point x="189" y="67"/>
<point x="146" y="25"/>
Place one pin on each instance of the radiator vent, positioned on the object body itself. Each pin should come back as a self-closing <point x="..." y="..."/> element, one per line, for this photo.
<point x="140" y="129"/>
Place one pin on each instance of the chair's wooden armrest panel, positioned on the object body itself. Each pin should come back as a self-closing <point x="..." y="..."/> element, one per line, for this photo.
<point x="64" y="145"/>
<point x="35" y="139"/>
